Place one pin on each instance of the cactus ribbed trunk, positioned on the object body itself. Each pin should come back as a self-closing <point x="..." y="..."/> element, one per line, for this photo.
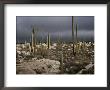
<point x="73" y="34"/>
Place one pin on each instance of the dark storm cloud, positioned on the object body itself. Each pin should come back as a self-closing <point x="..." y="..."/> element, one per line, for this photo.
<point x="54" y="25"/>
<point x="85" y="22"/>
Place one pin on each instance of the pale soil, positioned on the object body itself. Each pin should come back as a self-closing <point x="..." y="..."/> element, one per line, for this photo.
<point x="38" y="67"/>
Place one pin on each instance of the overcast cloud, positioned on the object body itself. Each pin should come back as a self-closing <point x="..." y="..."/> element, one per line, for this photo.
<point x="55" y="25"/>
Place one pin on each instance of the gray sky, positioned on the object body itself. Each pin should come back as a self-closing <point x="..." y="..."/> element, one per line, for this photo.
<point x="55" y="25"/>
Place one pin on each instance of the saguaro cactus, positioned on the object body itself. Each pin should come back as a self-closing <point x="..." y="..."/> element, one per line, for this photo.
<point x="33" y="42"/>
<point x="59" y="39"/>
<point x="76" y="38"/>
<point x="76" y="32"/>
<point x="29" y="48"/>
<point x="33" y="37"/>
<point x="73" y="34"/>
<point x="25" y="42"/>
<point x="48" y="41"/>
<point x="48" y="44"/>
<point x="36" y="42"/>
<point x="59" y="42"/>
<point x="61" y="63"/>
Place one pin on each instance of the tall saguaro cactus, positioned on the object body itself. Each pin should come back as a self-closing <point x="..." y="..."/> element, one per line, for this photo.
<point x="73" y="34"/>
<point x="61" y="63"/>
<point x="76" y="37"/>
<point x="33" y="42"/>
<point x="48" y="41"/>
<point x="59" y="41"/>
<point x="33" y="38"/>
<point x="76" y="32"/>
<point x="48" y="44"/>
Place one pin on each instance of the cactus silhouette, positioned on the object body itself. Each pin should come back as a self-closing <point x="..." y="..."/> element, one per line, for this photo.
<point x="76" y="39"/>
<point x="48" y="44"/>
<point x="73" y="34"/>
<point x="76" y="32"/>
<point x="33" y="37"/>
<point x="33" y="42"/>
<point x="48" y="41"/>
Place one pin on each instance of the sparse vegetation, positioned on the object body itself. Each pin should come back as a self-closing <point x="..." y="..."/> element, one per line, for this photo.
<point x="69" y="64"/>
<point x="55" y="58"/>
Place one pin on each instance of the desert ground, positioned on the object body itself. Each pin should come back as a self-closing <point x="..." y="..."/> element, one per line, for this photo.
<point x="57" y="59"/>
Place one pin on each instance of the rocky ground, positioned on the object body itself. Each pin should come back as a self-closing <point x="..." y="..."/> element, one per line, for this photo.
<point x="50" y="61"/>
<point x="42" y="66"/>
